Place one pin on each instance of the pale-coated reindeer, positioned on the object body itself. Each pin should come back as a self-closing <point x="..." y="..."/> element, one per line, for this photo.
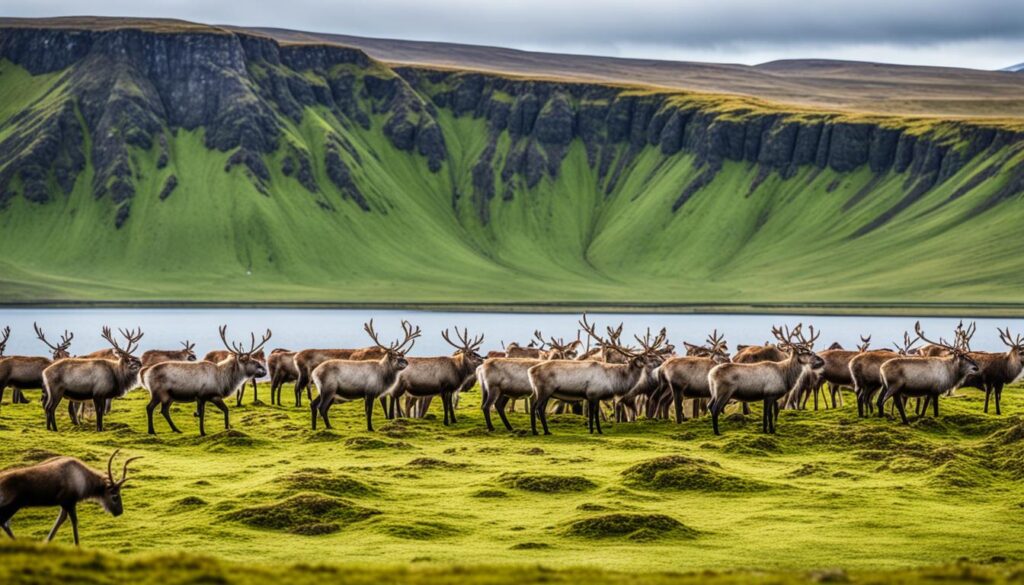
<point x="687" y="377"/>
<point x="997" y="369"/>
<point x="93" y="380"/>
<point x="203" y="382"/>
<point x="444" y="375"/>
<point x="361" y="379"/>
<point x="63" y="482"/>
<point x="925" y="376"/>
<point x="592" y="381"/>
<point x="26" y="372"/>
<point x="281" y="366"/>
<point x="866" y="372"/>
<point x="766" y="381"/>
<point x="504" y="380"/>
<point x="308" y="359"/>
<point x="218" y="355"/>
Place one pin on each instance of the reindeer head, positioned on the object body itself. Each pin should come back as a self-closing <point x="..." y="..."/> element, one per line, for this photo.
<point x="649" y="356"/>
<point x="111" y="499"/>
<point x="249" y="360"/>
<point x="59" y="351"/>
<point x="798" y="346"/>
<point x="189" y="350"/>
<point x="395" y="352"/>
<point x="6" y="334"/>
<point x="960" y="349"/>
<point x="124" y="355"/>
<point x="468" y="349"/>
<point x="1016" y="344"/>
<point x="907" y="348"/>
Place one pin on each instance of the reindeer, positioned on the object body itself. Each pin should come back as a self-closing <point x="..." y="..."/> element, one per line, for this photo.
<point x="687" y="377"/>
<point x="218" y="355"/>
<point x="927" y="377"/>
<point x="752" y="354"/>
<point x="26" y="372"/>
<point x="308" y="359"/>
<point x="593" y="381"/>
<point x="281" y="365"/>
<point x="366" y="379"/>
<point x="90" y="379"/>
<point x="64" y="482"/>
<point x="764" y="381"/>
<point x="836" y="372"/>
<point x="203" y="382"/>
<point x="866" y="371"/>
<point x="157" y="356"/>
<point x="998" y="369"/>
<point x="445" y="375"/>
<point x="504" y="380"/>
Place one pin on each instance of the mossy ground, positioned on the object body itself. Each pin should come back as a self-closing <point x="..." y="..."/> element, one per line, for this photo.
<point x="418" y="501"/>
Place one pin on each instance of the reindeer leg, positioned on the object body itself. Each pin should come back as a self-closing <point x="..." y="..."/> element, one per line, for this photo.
<point x="241" y="393"/>
<point x="100" y="405"/>
<point x="73" y="412"/>
<point x="489" y="399"/>
<point x="935" y="406"/>
<point x="313" y="407"/>
<point x="255" y="391"/>
<point x="897" y="399"/>
<point x="453" y="401"/>
<point x="677" y="401"/>
<point x="499" y="405"/>
<point x="542" y="409"/>
<point x="7" y="528"/>
<point x="597" y="419"/>
<point x="999" y="396"/>
<point x="201" y="409"/>
<point x="533" y="419"/>
<point x="368" y="404"/>
<point x="165" y="410"/>
<point x="300" y="384"/>
<point x="219" y="403"/>
<point x="73" y="515"/>
<point x="60" y="521"/>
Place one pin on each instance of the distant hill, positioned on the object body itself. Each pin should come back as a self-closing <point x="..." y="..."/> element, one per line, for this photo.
<point x="1014" y="68"/>
<point x="163" y="160"/>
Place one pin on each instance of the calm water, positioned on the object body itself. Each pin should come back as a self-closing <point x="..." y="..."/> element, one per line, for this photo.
<point x="305" y="328"/>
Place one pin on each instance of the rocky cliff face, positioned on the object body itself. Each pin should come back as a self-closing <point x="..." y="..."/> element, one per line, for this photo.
<point x="128" y="89"/>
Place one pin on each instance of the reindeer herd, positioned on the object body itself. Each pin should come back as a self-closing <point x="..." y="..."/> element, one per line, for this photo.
<point x="605" y="378"/>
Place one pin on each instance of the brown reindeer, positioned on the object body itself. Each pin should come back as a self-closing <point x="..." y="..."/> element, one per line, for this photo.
<point x="93" y="380"/>
<point x="687" y="377"/>
<point x="445" y="375"/>
<point x="926" y="376"/>
<point x="281" y="366"/>
<point x="752" y="354"/>
<point x="765" y="381"/>
<point x="203" y="382"/>
<point x="997" y="369"/>
<point x="361" y="379"/>
<point x="63" y="482"/>
<point x="26" y="372"/>
<point x="592" y="381"/>
<point x="308" y="359"/>
<point x="157" y="356"/>
<point x="835" y="373"/>
<point x="218" y="355"/>
<point x="866" y="371"/>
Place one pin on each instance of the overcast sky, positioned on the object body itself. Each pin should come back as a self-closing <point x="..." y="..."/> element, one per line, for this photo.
<point x="984" y="34"/>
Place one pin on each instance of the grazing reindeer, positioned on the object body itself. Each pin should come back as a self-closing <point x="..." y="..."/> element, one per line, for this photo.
<point x="26" y="372"/>
<point x="281" y="365"/>
<point x="836" y="372"/>
<point x="64" y="482"/>
<point x="366" y="379"/>
<point x="593" y="381"/>
<point x="767" y="381"/>
<point x="203" y="382"/>
<point x="505" y="379"/>
<point x="219" y="355"/>
<point x="928" y="377"/>
<point x="866" y="372"/>
<point x="444" y="375"/>
<point x="687" y="377"/>
<point x="998" y="369"/>
<point x="157" y="356"/>
<point x="308" y="359"/>
<point x="90" y="379"/>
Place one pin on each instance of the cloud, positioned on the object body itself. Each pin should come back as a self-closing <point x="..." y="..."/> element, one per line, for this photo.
<point x="935" y="31"/>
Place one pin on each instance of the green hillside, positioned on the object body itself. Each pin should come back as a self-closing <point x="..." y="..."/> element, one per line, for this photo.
<point x="315" y="174"/>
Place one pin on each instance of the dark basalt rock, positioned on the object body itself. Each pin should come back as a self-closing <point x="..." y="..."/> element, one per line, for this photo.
<point x="169" y="185"/>
<point x="339" y="174"/>
<point x="556" y="122"/>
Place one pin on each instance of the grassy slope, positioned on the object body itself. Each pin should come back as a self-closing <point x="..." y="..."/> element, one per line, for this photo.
<point x="562" y="241"/>
<point x="828" y="491"/>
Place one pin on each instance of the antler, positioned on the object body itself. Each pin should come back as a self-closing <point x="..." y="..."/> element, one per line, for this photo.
<point x="397" y="346"/>
<point x="188" y="345"/>
<point x="963" y="336"/>
<point x="124" y="471"/>
<point x="940" y="343"/>
<point x="717" y="343"/>
<point x="538" y="338"/>
<point x="591" y="333"/>
<point x="253" y="347"/>
<point x="39" y="334"/>
<point x="803" y="342"/>
<point x="865" y="343"/>
<point x="3" y="342"/>
<point x="232" y="347"/>
<point x="1009" y="340"/>
<point x="464" y="345"/>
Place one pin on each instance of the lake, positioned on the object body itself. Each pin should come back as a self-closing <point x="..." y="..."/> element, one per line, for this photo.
<point x="328" y="328"/>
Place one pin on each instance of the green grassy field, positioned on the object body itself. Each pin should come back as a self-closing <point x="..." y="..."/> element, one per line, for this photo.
<point x="416" y="500"/>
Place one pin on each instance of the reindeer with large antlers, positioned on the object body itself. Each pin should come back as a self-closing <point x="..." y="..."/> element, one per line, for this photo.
<point x="592" y="381"/>
<point x="218" y="355"/>
<point x="687" y="377"/>
<point x="64" y="482"/>
<point x="446" y="376"/>
<point x="866" y="371"/>
<point x="767" y="381"/>
<point x="203" y="382"/>
<point x="362" y="379"/>
<point x="26" y="372"/>
<point x="93" y="380"/>
<point x="998" y="369"/>
<point x="927" y="377"/>
<point x="308" y="359"/>
<point x="504" y="380"/>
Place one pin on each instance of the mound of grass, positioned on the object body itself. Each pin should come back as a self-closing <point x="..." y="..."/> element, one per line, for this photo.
<point x="371" y="443"/>
<point x="490" y="493"/>
<point x="544" y="483"/>
<point x="308" y="514"/>
<point x="417" y="529"/>
<point x="630" y="526"/>
<point x="188" y="503"/>
<point x="224" y="441"/>
<point x="317" y="479"/>
<point x="758" y="446"/>
<point x="432" y="463"/>
<point x="676" y="472"/>
<point x="529" y="546"/>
